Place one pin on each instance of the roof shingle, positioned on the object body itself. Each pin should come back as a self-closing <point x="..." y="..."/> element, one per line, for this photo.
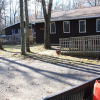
<point x="89" y="12"/>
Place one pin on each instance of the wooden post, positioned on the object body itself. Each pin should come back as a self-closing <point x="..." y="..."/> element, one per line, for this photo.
<point x="99" y="43"/>
<point x="1" y="46"/>
<point x="65" y="45"/>
<point x="70" y="45"/>
<point x="83" y="46"/>
<point x="78" y="46"/>
<point x="89" y="44"/>
<point x="95" y="44"/>
<point x="60" y="44"/>
<point x="14" y="38"/>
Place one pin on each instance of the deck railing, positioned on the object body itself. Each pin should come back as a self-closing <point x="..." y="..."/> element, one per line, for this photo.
<point x="85" y="45"/>
<point x="10" y="38"/>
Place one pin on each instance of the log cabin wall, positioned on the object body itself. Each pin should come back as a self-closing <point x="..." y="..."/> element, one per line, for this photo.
<point x="74" y="30"/>
<point x="8" y="30"/>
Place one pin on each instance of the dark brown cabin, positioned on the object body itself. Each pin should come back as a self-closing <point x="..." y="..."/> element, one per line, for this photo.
<point x="72" y="23"/>
<point x="15" y="28"/>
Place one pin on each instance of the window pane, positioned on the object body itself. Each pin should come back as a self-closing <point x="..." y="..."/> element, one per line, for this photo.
<point x="52" y="27"/>
<point x="18" y="31"/>
<point x="66" y="26"/>
<point x="82" y="26"/>
<point x="13" y="31"/>
<point x="98" y="25"/>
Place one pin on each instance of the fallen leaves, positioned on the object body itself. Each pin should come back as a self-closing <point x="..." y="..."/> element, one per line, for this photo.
<point x="2" y="82"/>
<point x="17" y="88"/>
<point x="49" y="92"/>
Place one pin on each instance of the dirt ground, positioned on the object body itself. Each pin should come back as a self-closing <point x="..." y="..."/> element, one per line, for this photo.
<point x="33" y="79"/>
<point x="41" y="72"/>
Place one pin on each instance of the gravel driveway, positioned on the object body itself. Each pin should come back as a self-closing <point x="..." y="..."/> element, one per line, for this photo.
<point x="22" y="79"/>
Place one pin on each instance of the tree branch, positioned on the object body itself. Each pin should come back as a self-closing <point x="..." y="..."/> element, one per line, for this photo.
<point x="44" y="9"/>
<point x="49" y="9"/>
<point x="2" y="4"/>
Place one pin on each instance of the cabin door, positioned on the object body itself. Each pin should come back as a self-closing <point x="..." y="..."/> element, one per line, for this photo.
<point x="13" y="31"/>
<point x="34" y="35"/>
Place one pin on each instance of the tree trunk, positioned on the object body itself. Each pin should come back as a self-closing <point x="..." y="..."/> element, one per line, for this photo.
<point x="10" y="12"/>
<point x="47" y="35"/>
<point x="95" y="2"/>
<point x="1" y="46"/>
<point x="47" y="17"/>
<point x="27" y="27"/>
<point x="22" y="28"/>
<point x="14" y="18"/>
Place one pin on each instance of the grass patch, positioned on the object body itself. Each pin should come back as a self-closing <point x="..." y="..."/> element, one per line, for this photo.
<point x="15" y="51"/>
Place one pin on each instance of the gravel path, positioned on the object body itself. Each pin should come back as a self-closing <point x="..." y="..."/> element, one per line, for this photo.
<point x="33" y="79"/>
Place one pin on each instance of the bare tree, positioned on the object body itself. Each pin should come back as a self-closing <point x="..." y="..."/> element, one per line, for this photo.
<point x="27" y="26"/>
<point x="2" y="2"/>
<point x="10" y="1"/>
<point x="1" y="7"/>
<point x="22" y="28"/>
<point x="15" y="9"/>
<point x="47" y="17"/>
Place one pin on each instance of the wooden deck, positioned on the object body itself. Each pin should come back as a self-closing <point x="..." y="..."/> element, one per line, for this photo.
<point x="83" y="46"/>
<point x="10" y="39"/>
<point x="16" y="38"/>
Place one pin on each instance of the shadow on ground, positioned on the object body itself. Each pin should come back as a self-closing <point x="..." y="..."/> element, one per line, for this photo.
<point x="77" y="65"/>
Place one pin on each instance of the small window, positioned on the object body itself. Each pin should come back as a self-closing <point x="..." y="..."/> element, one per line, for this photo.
<point x="66" y="27"/>
<point x="52" y="28"/>
<point x="19" y="31"/>
<point x="13" y="31"/>
<point x="98" y="25"/>
<point x="82" y="26"/>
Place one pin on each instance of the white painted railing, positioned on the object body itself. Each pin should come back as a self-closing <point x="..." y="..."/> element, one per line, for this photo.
<point x="10" y="38"/>
<point x="77" y="45"/>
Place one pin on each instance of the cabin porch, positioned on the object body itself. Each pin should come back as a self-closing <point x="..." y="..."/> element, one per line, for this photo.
<point x="81" y="46"/>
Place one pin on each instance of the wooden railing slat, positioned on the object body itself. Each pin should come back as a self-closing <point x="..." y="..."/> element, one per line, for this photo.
<point x="85" y="45"/>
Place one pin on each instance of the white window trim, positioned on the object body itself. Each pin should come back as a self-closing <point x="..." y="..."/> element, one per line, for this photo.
<point x="96" y="25"/>
<point x="69" y="27"/>
<point x="14" y="31"/>
<point x="85" y="26"/>
<point x="55" y="28"/>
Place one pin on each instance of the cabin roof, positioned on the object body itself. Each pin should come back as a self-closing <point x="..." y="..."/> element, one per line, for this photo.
<point x="15" y="24"/>
<point x="90" y="12"/>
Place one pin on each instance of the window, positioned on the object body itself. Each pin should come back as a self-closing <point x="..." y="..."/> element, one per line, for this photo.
<point x="98" y="25"/>
<point x="52" y="28"/>
<point x="82" y="26"/>
<point x="13" y="31"/>
<point x="19" y="31"/>
<point x="66" y="27"/>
